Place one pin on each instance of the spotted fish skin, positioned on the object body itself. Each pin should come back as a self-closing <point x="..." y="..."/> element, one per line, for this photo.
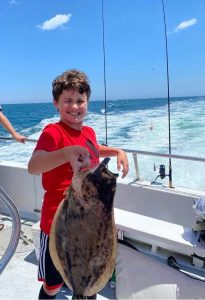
<point x="83" y="236"/>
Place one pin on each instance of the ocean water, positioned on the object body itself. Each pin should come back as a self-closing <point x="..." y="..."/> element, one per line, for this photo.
<point x="140" y="124"/>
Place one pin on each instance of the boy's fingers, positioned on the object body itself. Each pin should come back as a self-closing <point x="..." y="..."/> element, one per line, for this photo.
<point x="125" y="170"/>
<point x="83" y="159"/>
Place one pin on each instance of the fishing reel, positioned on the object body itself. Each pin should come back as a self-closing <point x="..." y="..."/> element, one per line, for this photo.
<point x="162" y="172"/>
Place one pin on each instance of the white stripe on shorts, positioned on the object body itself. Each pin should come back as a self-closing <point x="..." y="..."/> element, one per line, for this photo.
<point x="43" y="247"/>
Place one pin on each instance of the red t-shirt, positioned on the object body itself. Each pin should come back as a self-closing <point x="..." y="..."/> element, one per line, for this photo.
<point x="55" y="182"/>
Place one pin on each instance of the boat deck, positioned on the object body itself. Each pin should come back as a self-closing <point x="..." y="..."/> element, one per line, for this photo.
<point x="19" y="278"/>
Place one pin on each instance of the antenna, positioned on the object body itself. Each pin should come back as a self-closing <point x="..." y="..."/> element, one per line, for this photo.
<point x="168" y="98"/>
<point x="104" y="69"/>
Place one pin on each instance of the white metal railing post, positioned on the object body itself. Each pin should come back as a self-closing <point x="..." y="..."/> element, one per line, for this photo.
<point x="136" y="166"/>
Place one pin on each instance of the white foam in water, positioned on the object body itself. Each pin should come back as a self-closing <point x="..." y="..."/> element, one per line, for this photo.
<point x="13" y="151"/>
<point x="148" y="130"/>
<point x="145" y="130"/>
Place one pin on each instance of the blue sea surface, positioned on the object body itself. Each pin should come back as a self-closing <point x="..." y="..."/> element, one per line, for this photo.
<point x="138" y="124"/>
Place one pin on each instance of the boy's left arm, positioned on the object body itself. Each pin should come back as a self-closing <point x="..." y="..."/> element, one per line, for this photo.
<point x="122" y="159"/>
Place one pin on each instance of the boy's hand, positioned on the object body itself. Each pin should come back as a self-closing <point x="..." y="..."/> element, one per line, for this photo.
<point x="79" y="157"/>
<point x="122" y="161"/>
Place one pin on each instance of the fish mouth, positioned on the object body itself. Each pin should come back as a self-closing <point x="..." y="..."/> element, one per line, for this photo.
<point x="100" y="175"/>
<point x="96" y="185"/>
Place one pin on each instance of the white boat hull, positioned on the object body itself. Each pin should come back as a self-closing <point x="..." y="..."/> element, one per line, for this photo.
<point x="156" y="219"/>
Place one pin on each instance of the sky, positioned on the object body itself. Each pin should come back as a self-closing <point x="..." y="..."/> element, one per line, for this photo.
<point x="39" y="39"/>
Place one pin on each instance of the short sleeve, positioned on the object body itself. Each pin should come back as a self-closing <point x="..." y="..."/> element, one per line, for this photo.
<point x="49" y="139"/>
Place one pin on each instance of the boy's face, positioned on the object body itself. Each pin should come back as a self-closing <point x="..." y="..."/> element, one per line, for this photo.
<point x="72" y="107"/>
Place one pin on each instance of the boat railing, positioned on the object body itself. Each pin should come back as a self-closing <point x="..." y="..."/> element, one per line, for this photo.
<point x="16" y="229"/>
<point x="11" y="138"/>
<point x="135" y="154"/>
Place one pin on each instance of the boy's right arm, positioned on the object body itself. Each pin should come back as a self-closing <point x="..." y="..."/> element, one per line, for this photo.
<point x="43" y="161"/>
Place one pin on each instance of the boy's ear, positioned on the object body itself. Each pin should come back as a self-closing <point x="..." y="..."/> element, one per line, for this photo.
<point x="55" y="103"/>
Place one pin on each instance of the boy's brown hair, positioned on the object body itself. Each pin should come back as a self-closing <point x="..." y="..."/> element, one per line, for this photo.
<point x="71" y="79"/>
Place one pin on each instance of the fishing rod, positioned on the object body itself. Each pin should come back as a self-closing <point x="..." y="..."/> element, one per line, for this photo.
<point x="104" y="70"/>
<point x="167" y="73"/>
<point x="168" y="97"/>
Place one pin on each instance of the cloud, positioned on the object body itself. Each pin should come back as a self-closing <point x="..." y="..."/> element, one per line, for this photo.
<point x="55" y="22"/>
<point x="185" y="24"/>
<point x="13" y="2"/>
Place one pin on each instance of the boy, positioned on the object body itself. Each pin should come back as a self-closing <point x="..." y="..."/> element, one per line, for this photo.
<point x="62" y="149"/>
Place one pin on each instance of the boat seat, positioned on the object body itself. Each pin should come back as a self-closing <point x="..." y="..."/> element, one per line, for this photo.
<point x="159" y="233"/>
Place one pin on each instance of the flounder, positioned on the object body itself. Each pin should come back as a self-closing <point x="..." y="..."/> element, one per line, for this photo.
<point x="83" y="242"/>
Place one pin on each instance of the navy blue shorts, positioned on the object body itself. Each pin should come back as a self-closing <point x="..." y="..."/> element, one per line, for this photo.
<point x="46" y="269"/>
